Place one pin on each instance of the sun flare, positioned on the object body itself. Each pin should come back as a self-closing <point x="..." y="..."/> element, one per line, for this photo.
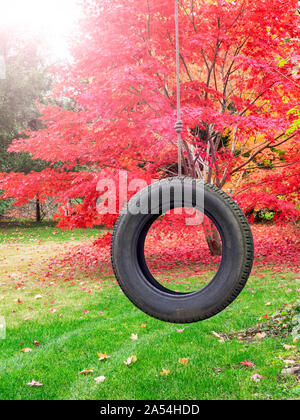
<point x="52" y="20"/>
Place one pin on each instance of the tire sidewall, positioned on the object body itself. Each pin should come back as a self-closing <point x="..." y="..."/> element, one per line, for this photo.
<point x="214" y="297"/>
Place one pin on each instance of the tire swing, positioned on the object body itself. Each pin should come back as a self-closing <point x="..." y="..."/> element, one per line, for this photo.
<point x="135" y="221"/>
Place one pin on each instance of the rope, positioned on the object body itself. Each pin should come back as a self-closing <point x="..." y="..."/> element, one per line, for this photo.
<point x="179" y="123"/>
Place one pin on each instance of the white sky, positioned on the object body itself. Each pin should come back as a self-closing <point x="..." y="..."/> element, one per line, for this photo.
<point x="52" y="20"/>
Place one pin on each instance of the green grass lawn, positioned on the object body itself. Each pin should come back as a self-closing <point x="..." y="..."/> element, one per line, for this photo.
<point x="74" y="322"/>
<point x="32" y="232"/>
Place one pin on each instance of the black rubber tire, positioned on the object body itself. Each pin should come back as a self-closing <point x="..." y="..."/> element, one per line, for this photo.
<point x="151" y="297"/>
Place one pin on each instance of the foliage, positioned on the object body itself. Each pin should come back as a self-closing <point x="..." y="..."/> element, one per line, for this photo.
<point x="176" y="249"/>
<point x="237" y="89"/>
<point x="296" y="323"/>
<point x="25" y="82"/>
<point x="5" y="205"/>
<point x="286" y="318"/>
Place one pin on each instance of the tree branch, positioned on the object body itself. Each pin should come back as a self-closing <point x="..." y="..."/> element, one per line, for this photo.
<point x="269" y="145"/>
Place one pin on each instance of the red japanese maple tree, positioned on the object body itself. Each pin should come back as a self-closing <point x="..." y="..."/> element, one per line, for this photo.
<point x="240" y="79"/>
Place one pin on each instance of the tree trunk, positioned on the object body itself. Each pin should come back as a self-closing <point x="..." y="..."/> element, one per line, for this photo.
<point x="213" y="140"/>
<point x="212" y="238"/>
<point x="38" y="211"/>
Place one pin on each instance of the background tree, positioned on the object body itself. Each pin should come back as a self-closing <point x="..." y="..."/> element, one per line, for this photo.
<point x="25" y="83"/>
<point x="235" y="103"/>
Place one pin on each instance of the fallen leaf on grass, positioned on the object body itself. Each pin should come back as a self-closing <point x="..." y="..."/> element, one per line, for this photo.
<point x="248" y="364"/>
<point x="34" y="384"/>
<point x="295" y="370"/>
<point x="130" y="360"/>
<point x="100" y="380"/>
<point x="287" y="347"/>
<point x="87" y="372"/>
<point x="103" y="356"/>
<point x="165" y="372"/>
<point x="134" y="337"/>
<point x="184" y="361"/>
<point x="257" y="378"/>
<point x="261" y="336"/>
<point x="221" y="339"/>
<point x="143" y="326"/>
<point x="27" y="350"/>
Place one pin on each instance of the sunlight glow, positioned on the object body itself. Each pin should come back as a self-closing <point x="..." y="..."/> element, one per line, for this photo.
<point x="51" y="20"/>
